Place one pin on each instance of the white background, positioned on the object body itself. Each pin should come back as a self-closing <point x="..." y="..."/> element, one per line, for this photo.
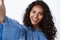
<point x="16" y="8"/>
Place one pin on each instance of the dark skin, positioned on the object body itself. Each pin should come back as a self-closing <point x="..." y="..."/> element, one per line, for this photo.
<point x="2" y="11"/>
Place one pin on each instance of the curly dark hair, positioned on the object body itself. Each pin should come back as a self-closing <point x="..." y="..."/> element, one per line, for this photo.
<point x="47" y="24"/>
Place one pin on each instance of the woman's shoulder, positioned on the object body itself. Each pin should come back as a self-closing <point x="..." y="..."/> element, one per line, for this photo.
<point x="23" y="28"/>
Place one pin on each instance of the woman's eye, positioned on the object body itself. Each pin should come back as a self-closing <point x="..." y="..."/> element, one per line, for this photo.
<point x="33" y="11"/>
<point x="41" y="13"/>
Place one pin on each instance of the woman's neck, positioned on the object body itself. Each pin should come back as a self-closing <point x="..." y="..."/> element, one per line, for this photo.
<point x="37" y="27"/>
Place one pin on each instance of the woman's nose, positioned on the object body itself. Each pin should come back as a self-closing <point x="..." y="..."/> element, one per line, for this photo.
<point x="36" y="15"/>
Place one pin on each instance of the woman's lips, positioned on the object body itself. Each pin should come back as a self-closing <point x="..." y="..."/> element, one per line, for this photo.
<point x="34" y="19"/>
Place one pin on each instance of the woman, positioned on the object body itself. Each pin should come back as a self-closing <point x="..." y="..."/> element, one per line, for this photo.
<point x="39" y="22"/>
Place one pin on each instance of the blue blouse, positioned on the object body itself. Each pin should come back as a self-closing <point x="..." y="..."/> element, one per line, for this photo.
<point x="1" y="30"/>
<point x="28" y="34"/>
<point x="36" y="35"/>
